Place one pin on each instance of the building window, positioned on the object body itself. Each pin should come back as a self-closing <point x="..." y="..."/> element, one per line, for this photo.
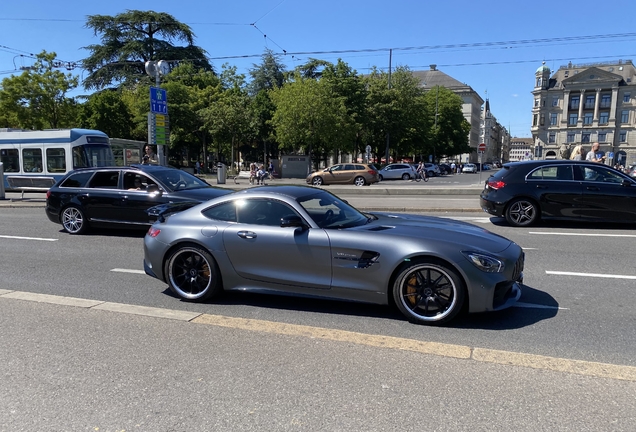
<point x="622" y="136"/>
<point x="624" y="116"/>
<point x="574" y="102"/>
<point x="555" y="101"/>
<point x="566" y="74"/>
<point x="551" y="138"/>
<point x="542" y="120"/>
<point x="553" y="119"/>
<point x="539" y="82"/>
<point x="585" y="137"/>
<point x="603" y="118"/>
<point x="589" y="102"/>
<point x="587" y="119"/>
<point x="626" y="97"/>
<point x="602" y="137"/>
<point x="536" y="102"/>
<point x="570" y="138"/>
<point x="572" y="119"/>
<point x="535" y="119"/>
<point x="606" y="100"/>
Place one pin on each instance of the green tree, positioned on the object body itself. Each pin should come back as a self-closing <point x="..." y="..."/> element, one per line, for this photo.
<point x="269" y="74"/>
<point x="310" y="117"/>
<point x="449" y="135"/>
<point x="37" y="98"/>
<point x="130" y="39"/>
<point x="106" y="111"/>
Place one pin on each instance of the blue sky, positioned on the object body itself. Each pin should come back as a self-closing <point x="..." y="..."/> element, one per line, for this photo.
<point x="419" y="32"/>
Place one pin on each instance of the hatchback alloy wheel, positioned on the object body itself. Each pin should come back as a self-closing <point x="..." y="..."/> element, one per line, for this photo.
<point x="522" y="212"/>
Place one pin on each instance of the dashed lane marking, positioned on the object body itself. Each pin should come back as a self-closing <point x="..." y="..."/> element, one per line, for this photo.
<point x="596" y="275"/>
<point x="556" y="364"/>
<point x="582" y="234"/>
<point x="120" y="270"/>
<point x="28" y="238"/>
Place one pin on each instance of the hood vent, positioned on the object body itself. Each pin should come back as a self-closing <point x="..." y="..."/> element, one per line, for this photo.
<point x="381" y="228"/>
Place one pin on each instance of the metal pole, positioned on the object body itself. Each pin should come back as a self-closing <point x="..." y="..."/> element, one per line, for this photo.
<point x="389" y="86"/>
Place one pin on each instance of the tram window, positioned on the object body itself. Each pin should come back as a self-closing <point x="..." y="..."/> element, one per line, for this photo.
<point x="79" y="161"/>
<point x="56" y="160"/>
<point x="32" y="160"/>
<point x="10" y="160"/>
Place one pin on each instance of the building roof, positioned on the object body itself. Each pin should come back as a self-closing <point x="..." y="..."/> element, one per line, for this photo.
<point x="621" y="72"/>
<point x="434" y="77"/>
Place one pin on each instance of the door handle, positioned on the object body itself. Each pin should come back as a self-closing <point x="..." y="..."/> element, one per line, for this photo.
<point x="246" y="234"/>
<point x="541" y="187"/>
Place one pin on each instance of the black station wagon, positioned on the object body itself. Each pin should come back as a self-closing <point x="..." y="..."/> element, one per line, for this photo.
<point x="118" y="197"/>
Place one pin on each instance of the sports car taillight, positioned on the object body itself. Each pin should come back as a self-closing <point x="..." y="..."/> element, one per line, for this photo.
<point x="496" y="184"/>
<point x="153" y="232"/>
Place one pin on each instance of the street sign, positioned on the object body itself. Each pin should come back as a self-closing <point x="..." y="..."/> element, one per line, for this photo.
<point x="481" y="148"/>
<point x="158" y="101"/>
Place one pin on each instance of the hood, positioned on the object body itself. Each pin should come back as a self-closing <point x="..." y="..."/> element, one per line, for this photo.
<point x="434" y="228"/>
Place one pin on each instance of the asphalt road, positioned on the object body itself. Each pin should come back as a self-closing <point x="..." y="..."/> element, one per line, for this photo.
<point x="253" y="362"/>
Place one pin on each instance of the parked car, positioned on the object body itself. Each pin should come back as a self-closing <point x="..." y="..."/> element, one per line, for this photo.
<point x="528" y="191"/>
<point x="469" y="168"/>
<point x="300" y="240"/>
<point x="445" y="168"/>
<point x="395" y="171"/>
<point x="119" y="196"/>
<point x="351" y="173"/>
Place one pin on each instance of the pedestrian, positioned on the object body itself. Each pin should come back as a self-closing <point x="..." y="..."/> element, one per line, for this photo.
<point x="577" y="153"/>
<point x="453" y="168"/>
<point x="595" y="155"/>
<point x="270" y="169"/>
<point x="197" y="167"/>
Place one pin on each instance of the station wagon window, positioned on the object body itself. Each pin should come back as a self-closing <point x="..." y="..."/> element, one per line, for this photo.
<point x="555" y="172"/>
<point x="55" y="160"/>
<point x="105" y="179"/>
<point x="32" y="160"/>
<point x="10" y="160"/>
<point x="77" y="180"/>
<point x="350" y="167"/>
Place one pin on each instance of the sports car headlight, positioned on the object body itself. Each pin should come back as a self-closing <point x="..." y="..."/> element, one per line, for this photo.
<point x="484" y="262"/>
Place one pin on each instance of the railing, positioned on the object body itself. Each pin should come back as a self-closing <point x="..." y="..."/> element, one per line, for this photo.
<point x="32" y="184"/>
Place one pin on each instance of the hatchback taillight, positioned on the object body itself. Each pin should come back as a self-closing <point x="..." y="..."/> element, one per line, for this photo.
<point x="496" y="184"/>
<point x="153" y="232"/>
<point x="48" y="194"/>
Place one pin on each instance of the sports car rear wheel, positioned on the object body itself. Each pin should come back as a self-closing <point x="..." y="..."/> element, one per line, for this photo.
<point x="192" y="273"/>
<point x="429" y="292"/>
<point x="522" y="212"/>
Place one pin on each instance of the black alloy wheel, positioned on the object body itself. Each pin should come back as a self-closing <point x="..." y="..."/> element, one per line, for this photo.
<point x="192" y="274"/>
<point x="522" y="212"/>
<point x="428" y="292"/>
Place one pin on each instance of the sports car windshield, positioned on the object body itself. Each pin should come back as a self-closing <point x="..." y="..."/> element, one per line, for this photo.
<point x="332" y="213"/>
<point x="176" y="180"/>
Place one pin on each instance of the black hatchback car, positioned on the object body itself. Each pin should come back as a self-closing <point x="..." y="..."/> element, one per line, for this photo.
<point x="525" y="192"/>
<point x="118" y="197"/>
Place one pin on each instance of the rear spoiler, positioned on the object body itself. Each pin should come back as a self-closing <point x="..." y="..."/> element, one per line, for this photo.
<point x="159" y="212"/>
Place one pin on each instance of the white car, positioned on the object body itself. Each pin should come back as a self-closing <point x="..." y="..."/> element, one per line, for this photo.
<point x="470" y="168"/>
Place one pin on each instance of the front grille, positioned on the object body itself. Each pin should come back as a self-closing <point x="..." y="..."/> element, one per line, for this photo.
<point x="518" y="269"/>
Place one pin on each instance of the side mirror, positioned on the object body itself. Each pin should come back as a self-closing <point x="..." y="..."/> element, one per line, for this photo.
<point x="292" y="221"/>
<point x="153" y="189"/>
<point x="626" y="182"/>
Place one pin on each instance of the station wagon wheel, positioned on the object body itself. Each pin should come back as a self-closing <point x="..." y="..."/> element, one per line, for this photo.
<point x="359" y="181"/>
<point x="192" y="273"/>
<point x="316" y="181"/>
<point x="429" y="292"/>
<point x="380" y="177"/>
<point x="405" y="176"/>
<point x="73" y="220"/>
<point x="522" y="212"/>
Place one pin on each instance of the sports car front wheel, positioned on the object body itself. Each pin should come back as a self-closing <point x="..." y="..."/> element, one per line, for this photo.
<point x="429" y="292"/>
<point x="192" y="273"/>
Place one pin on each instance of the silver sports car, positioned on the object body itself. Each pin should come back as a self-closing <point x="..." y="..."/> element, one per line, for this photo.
<point x="305" y="241"/>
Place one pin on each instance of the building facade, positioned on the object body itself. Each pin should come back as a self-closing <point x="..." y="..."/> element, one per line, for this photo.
<point x="494" y="135"/>
<point x="520" y="149"/>
<point x="583" y="104"/>
<point x="471" y="107"/>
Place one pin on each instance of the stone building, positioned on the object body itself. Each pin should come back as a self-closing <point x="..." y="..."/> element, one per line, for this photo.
<point x="471" y="106"/>
<point x="520" y="149"/>
<point x="583" y="104"/>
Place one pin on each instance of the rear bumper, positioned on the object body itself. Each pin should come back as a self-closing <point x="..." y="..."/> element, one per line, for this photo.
<point x="491" y="207"/>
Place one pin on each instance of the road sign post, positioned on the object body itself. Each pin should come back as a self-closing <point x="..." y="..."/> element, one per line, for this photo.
<point x="481" y="148"/>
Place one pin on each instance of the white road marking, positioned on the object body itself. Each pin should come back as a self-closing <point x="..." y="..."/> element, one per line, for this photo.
<point x="28" y="238"/>
<point x="128" y="271"/>
<point x="537" y="306"/>
<point x="582" y="235"/>
<point x="598" y="275"/>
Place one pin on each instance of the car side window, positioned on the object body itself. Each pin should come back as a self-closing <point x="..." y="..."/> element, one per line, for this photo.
<point x="223" y="212"/>
<point x="105" y="180"/>
<point x="263" y="212"/>
<point x="600" y="174"/>
<point x="77" y="180"/>
<point x="349" y="167"/>
<point x="337" y="168"/>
